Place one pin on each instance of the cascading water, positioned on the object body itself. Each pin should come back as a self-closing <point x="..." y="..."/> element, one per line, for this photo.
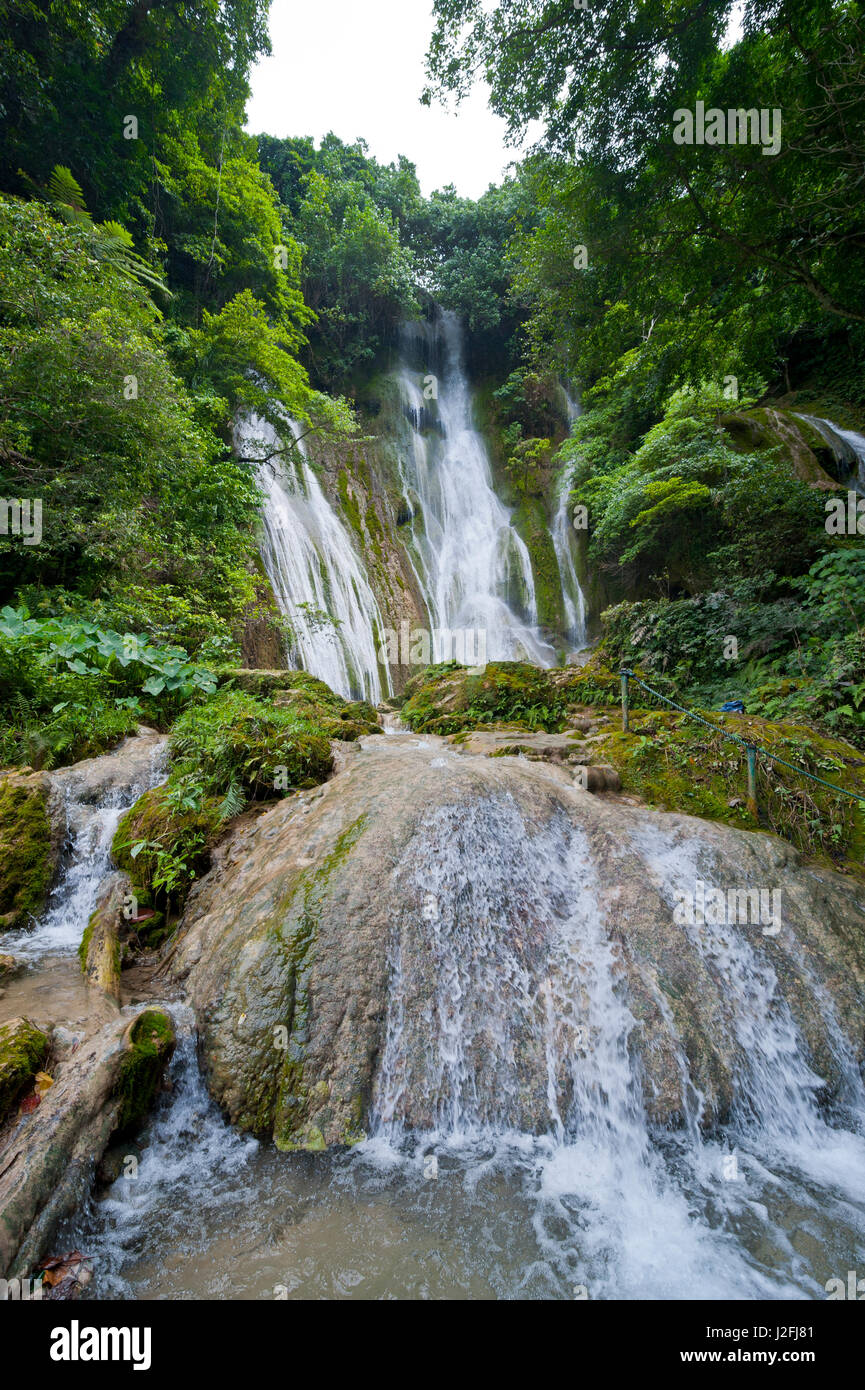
<point x="565" y="548"/>
<point x="95" y="796"/>
<point x="473" y="568"/>
<point x="848" y="448"/>
<point x="316" y="576"/>
<point x="509" y="998"/>
<point x="624" y="1209"/>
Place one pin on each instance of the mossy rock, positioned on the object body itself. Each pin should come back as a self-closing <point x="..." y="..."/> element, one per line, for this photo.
<point x="187" y="833"/>
<point x="260" y="745"/>
<point x="150" y="1043"/>
<point x="530" y="523"/>
<point x="23" y="1050"/>
<point x="100" y="949"/>
<point x="804" y="447"/>
<point x="263" y="683"/>
<point x="27" y="854"/>
<point x="448" y="698"/>
<point x="677" y="764"/>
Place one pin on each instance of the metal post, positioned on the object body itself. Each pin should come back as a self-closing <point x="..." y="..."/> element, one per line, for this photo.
<point x="625" y="703"/>
<point x="752" y="781"/>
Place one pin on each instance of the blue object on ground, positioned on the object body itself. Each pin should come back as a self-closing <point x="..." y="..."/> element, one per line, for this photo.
<point x="733" y="707"/>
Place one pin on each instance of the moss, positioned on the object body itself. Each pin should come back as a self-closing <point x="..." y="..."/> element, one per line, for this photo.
<point x="84" y="945"/>
<point x="797" y="441"/>
<point x="23" y="1050"/>
<point x="100" y="950"/>
<point x="151" y="1042"/>
<point x="350" y="507"/>
<point x="667" y="759"/>
<point x="26" y="854"/>
<point x="448" y="698"/>
<point x="530" y="523"/>
<point x="678" y="765"/>
<point x="188" y="834"/>
<point x="261" y="747"/>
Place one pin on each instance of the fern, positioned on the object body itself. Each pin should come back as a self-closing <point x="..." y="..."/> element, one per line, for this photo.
<point x="65" y="191"/>
<point x="231" y="805"/>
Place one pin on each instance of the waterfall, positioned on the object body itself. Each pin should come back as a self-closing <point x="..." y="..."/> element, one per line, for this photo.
<point x="479" y="1011"/>
<point x="510" y="992"/>
<point x="847" y="446"/>
<point x="472" y="567"/>
<point x="565" y="547"/>
<point x="95" y="795"/>
<point x="316" y="576"/>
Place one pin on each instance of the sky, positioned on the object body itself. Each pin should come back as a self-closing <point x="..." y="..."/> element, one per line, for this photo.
<point x="357" y="67"/>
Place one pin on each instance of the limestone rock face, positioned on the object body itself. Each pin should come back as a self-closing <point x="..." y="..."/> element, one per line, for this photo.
<point x="437" y="938"/>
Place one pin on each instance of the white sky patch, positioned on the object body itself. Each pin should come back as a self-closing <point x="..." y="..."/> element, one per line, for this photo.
<point x="358" y="69"/>
<point x="734" y="26"/>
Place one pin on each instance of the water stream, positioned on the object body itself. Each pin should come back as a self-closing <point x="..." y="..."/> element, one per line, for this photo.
<point x="601" y="1203"/>
<point x="317" y="578"/>
<point x="473" y="568"/>
<point x="95" y="796"/>
<point x="848" y="448"/>
<point x="565" y="547"/>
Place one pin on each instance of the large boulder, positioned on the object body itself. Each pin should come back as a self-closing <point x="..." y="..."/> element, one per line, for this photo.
<point x="438" y="938"/>
<point x="47" y="1157"/>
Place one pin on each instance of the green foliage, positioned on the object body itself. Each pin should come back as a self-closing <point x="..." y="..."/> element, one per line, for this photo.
<point x="240" y="745"/>
<point x="690" y="245"/>
<point x="448" y="699"/>
<point x="130" y="487"/>
<point x="164" y="841"/>
<point x="680" y="765"/>
<point x="688" y="511"/>
<point x="70" y="689"/>
<point x="239" y="740"/>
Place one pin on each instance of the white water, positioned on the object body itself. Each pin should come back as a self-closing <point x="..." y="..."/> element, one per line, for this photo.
<point x="473" y="568"/>
<point x="90" y="827"/>
<point x="565" y="548"/>
<point x="317" y="578"/>
<point x="602" y="1201"/>
<point x="847" y="446"/>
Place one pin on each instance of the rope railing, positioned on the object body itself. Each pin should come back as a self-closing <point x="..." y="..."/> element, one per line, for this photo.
<point x="751" y="748"/>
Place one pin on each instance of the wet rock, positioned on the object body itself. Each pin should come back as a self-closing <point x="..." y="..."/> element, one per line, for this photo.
<point x="120" y="1160"/>
<point x="47" y="1159"/>
<point x="100" y="949"/>
<point x="8" y="965"/>
<point x="23" y="1049"/>
<point x="433" y="936"/>
<point x="94" y="780"/>
<point x="64" y="1042"/>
